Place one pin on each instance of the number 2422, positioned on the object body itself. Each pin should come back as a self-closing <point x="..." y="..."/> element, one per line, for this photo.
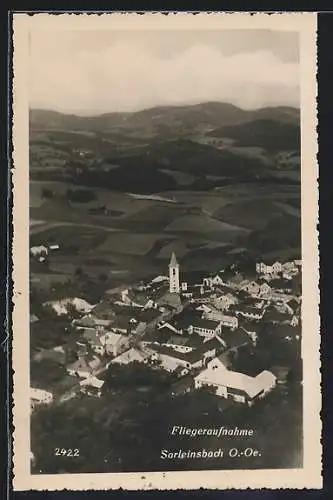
<point x="67" y="452"/>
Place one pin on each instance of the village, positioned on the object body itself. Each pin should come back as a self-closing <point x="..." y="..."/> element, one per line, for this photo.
<point x="206" y="329"/>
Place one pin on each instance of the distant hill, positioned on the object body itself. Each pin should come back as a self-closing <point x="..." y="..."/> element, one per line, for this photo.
<point x="266" y="133"/>
<point x="163" y="119"/>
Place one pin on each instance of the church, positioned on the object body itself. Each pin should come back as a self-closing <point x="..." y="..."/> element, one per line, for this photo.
<point x="192" y="286"/>
<point x="174" y="284"/>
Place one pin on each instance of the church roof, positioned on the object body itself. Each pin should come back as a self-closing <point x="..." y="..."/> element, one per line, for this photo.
<point x="173" y="260"/>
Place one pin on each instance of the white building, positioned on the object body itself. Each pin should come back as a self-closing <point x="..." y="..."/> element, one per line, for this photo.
<point x="38" y="250"/>
<point x="274" y="268"/>
<point x="61" y="306"/>
<point x="237" y="386"/>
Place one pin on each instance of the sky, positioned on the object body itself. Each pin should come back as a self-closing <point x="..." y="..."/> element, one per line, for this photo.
<point x="90" y="72"/>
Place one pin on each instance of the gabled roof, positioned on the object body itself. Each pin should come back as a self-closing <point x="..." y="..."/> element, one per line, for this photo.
<point x="294" y="304"/>
<point x="234" y="338"/>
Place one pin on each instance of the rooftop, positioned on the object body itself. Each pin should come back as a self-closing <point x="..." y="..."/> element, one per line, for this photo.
<point x="208" y="324"/>
<point x="252" y="386"/>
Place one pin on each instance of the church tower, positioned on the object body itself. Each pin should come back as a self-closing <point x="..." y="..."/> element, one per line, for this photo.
<point x="174" y="285"/>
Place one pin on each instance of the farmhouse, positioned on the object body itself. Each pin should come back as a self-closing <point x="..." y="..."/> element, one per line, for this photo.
<point x="237" y="386"/>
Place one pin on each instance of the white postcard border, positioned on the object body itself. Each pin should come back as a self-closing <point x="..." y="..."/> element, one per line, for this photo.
<point x="310" y="475"/>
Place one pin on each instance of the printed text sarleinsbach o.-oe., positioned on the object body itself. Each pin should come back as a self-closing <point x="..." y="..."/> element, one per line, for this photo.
<point x="217" y="432"/>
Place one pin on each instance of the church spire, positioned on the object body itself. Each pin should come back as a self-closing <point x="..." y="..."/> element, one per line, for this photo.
<point x="173" y="260"/>
<point x="174" y="285"/>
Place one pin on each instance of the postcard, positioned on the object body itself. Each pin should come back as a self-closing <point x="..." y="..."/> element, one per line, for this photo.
<point x="165" y="252"/>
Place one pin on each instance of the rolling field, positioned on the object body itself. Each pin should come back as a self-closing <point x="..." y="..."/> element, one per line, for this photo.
<point x="140" y="232"/>
<point x="201" y="224"/>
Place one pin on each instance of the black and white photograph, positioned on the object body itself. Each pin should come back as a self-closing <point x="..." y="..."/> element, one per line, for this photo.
<point x="170" y="240"/>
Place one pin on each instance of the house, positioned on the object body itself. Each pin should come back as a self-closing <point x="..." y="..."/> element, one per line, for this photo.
<point x="167" y="298"/>
<point x="265" y="290"/>
<point x="40" y="397"/>
<point x="275" y="317"/>
<point x="237" y="282"/>
<point x="84" y="367"/>
<point x="96" y="339"/>
<point x="191" y="290"/>
<point x="234" y="339"/>
<point x="205" y="327"/>
<point x="249" y="312"/>
<point x="294" y="321"/>
<point x="92" y="321"/>
<point x="92" y="386"/>
<point x="39" y="250"/>
<point x="281" y="285"/>
<point x="124" y="324"/>
<point x="171" y="359"/>
<point x="182" y="386"/>
<point x="287" y="332"/>
<point x="130" y="356"/>
<point x="236" y="386"/>
<point x="167" y="329"/>
<point x="219" y="278"/>
<point x="61" y="306"/>
<point x="250" y="328"/>
<point x="225" y="301"/>
<point x="137" y="299"/>
<point x="251" y="287"/>
<point x="281" y="373"/>
<point x="273" y="268"/>
<point x="226" y="320"/>
<point x="115" y="343"/>
<point x="294" y="306"/>
<point x="104" y="310"/>
<point x="57" y="354"/>
<point x="159" y="279"/>
<point x="33" y="318"/>
<point x="204" y="308"/>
